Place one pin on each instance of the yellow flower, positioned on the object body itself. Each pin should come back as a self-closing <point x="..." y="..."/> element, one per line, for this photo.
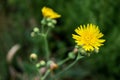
<point x="48" y="12"/>
<point x="88" y="37"/>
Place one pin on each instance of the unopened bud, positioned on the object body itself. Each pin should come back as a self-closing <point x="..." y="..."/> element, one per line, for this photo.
<point x="54" y="21"/>
<point x="53" y="65"/>
<point x="50" y="24"/>
<point x="36" y="29"/>
<point x="32" y="34"/>
<point x="75" y="50"/>
<point x="38" y="65"/>
<point x="71" y="55"/>
<point x="48" y="19"/>
<point x="43" y="22"/>
<point x="33" y="57"/>
<point x="42" y="63"/>
<point x="42" y="70"/>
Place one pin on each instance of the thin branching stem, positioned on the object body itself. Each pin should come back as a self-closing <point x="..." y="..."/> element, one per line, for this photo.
<point x="69" y="66"/>
<point x="63" y="61"/>
<point x="45" y="75"/>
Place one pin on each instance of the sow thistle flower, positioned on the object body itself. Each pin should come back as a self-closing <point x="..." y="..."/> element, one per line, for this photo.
<point x="49" y="13"/>
<point x="88" y="37"/>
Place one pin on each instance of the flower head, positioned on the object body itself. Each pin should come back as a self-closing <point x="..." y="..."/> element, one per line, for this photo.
<point x="48" y="12"/>
<point x="88" y="37"/>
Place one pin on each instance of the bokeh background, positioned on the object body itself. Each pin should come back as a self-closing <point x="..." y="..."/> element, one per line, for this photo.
<point x="19" y="17"/>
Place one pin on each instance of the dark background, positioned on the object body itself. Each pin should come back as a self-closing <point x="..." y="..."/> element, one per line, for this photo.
<point x="19" y="17"/>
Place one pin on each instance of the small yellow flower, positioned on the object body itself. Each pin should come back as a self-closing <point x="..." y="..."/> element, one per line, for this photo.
<point x="48" y="12"/>
<point x="88" y="37"/>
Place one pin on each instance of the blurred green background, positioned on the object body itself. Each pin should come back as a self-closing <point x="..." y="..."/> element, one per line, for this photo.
<point x="19" y="17"/>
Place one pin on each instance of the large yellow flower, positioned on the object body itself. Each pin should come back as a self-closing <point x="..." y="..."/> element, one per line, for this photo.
<point x="48" y="12"/>
<point x="88" y="37"/>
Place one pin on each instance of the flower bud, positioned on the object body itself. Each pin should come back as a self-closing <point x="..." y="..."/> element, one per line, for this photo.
<point x="75" y="50"/>
<point x="54" y="21"/>
<point x="43" y="70"/>
<point x="43" y="21"/>
<point x="33" y="57"/>
<point x="50" y="24"/>
<point x="38" y="65"/>
<point x="71" y="55"/>
<point x="42" y="63"/>
<point x="49" y="19"/>
<point x="32" y="34"/>
<point x="53" y="65"/>
<point x="36" y="29"/>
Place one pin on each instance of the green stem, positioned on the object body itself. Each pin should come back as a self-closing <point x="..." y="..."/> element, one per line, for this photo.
<point x="42" y="28"/>
<point x="46" y="47"/>
<point x="43" y="25"/>
<point x="46" y="44"/>
<point x="62" y="62"/>
<point x="46" y="74"/>
<point x="48" y="31"/>
<point x="69" y="66"/>
<point x="39" y="73"/>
